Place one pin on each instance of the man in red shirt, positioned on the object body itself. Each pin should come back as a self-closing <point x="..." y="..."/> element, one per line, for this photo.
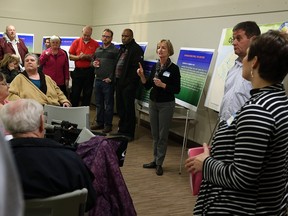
<point x="82" y="51"/>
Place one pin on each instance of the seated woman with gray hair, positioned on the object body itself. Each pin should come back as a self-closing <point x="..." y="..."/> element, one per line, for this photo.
<point x="33" y="84"/>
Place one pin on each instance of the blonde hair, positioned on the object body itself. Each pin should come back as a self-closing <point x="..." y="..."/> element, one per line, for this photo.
<point x="9" y="58"/>
<point x="169" y="46"/>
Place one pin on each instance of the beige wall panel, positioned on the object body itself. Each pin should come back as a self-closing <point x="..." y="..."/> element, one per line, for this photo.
<point x="43" y="18"/>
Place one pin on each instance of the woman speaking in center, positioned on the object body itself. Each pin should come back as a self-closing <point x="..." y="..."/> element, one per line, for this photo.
<point x="164" y="80"/>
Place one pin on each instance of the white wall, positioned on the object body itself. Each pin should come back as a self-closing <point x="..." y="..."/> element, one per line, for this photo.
<point x="42" y="18"/>
<point x="187" y="23"/>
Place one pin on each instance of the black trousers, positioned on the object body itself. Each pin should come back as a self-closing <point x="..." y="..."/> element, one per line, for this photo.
<point x="82" y="82"/>
<point x="125" y="103"/>
<point x="64" y="90"/>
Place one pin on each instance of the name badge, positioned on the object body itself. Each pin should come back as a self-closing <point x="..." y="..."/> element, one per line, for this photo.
<point x="166" y="74"/>
<point x="230" y="120"/>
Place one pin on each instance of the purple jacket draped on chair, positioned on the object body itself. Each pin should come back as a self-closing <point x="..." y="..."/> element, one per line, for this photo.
<point x="113" y="198"/>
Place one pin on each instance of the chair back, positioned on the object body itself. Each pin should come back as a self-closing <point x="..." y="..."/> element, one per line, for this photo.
<point x="77" y="115"/>
<point x="70" y="204"/>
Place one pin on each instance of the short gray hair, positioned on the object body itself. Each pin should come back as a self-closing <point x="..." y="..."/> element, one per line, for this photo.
<point x="21" y="116"/>
<point x="33" y="55"/>
<point x="55" y="38"/>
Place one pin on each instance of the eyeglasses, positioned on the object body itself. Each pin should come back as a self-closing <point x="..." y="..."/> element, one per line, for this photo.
<point x="106" y="36"/>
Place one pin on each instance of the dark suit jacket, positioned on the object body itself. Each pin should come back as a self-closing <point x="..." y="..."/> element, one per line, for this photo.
<point x="8" y="48"/>
<point x="47" y="168"/>
<point x="129" y="74"/>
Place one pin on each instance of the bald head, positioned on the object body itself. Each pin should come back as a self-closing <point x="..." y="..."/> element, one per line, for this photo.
<point x="127" y="36"/>
<point x="86" y="33"/>
<point x="11" y="32"/>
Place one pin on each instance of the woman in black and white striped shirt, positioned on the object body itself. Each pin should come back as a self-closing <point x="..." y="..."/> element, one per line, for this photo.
<point x="246" y="171"/>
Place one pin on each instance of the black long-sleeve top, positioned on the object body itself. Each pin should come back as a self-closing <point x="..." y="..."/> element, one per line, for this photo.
<point x="171" y="77"/>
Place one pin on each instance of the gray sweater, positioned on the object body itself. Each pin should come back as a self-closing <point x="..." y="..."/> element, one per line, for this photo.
<point x="108" y="59"/>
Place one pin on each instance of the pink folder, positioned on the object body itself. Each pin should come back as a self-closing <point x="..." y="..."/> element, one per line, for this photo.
<point x="195" y="178"/>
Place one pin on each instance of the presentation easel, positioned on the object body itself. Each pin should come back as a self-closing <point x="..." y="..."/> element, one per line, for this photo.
<point x="185" y="137"/>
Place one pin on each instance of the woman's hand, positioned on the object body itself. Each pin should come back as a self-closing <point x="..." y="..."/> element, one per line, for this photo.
<point x="159" y="83"/>
<point x="107" y="80"/>
<point x="66" y="104"/>
<point x="67" y="83"/>
<point x="195" y="164"/>
<point x="140" y="72"/>
<point x="11" y="67"/>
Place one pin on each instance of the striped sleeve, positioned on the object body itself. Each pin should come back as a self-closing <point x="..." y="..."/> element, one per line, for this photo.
<point x="255" y="127"/>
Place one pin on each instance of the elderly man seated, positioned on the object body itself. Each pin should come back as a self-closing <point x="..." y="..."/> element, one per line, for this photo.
<point x="46" y="168"/>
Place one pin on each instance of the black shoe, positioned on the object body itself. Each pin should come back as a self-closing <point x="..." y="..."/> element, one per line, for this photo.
<point x="126" y="135"/>
<point x="119" y="134"/>
<point x="159" y="170"/>
<point x="150" y="165"/>
<point x="97" y="127"/>
<point x="107" y="129"/>
<point x="129" y="138"/>
<point x="116" y="134"/>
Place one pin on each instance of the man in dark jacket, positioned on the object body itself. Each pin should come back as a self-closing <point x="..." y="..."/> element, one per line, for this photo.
<point x="46" y="168"/>
<point x="127" y="82"/>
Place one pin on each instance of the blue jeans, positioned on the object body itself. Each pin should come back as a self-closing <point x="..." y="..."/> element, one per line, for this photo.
<point x="104" y="97"/>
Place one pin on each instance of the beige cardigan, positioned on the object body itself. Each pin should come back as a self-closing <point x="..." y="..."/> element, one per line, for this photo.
<point x="22" y="87"/>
